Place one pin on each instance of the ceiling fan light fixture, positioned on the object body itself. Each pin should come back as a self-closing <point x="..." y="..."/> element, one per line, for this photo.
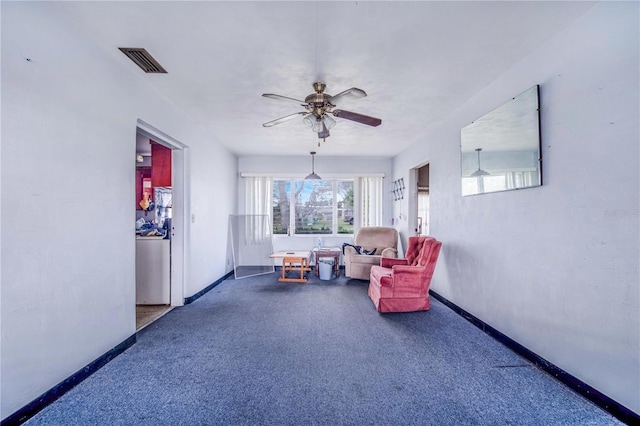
<point x="324" y="133"/>
<point x="328" y="121"/>
<point x="313" y="175"/>
<point x="317" y="125"/>
<point x="309" y="120"/>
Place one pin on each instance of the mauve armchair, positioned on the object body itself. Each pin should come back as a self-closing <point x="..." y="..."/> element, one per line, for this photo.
<point x="402" y="285"/>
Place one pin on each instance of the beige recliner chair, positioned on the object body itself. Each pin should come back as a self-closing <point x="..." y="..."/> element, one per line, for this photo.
<point x="384" y="240"/>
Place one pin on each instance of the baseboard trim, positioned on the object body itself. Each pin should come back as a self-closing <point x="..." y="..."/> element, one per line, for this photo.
<point x="616" y="409"/>
<point x="38" y="404"/>
<point x="191" y="299"/>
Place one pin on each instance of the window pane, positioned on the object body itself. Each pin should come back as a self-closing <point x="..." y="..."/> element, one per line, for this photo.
<point x="314" y="207"/>
<point x="320" y="207"/>
<point x="281" y="206"/>
<point x="345" y="206"/>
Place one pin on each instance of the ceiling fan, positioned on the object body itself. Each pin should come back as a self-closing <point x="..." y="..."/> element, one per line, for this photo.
<point x="320" y="106"/>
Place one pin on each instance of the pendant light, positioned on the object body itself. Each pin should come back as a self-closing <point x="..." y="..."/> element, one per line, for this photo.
<point x="479" y="172"/>
<point x="313" y="175"/>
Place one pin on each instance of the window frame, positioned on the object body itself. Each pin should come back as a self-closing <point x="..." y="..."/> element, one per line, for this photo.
<point x="334" y="206"/>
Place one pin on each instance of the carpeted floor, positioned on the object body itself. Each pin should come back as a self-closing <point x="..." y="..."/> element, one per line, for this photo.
<point x="259" y="352"/>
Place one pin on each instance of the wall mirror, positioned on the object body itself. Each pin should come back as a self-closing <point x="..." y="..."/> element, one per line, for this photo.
<point x="500" y="151"/>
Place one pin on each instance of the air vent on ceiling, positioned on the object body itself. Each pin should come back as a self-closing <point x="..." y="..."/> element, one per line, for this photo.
<point x="143" y="59"/>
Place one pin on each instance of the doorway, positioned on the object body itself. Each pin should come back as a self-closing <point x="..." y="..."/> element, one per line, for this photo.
<point x="161" y="287"/>
<point x="419" y="200"/>
<point x="422" y="226"/>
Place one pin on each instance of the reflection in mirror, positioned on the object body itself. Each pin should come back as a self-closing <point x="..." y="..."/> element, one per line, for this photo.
<point x="501" y="150"/>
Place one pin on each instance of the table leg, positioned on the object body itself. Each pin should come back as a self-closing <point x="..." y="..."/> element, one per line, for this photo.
<point x="288" y="265"/>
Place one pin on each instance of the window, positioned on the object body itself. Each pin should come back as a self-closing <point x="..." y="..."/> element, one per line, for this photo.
<point x="299" y="207"/>
<point x="319" y="207"/>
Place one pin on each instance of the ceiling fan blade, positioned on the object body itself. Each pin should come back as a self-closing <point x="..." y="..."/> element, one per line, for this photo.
<point x="353" y="93"/>
<point x="360" y="118"/>
<point x="283" y="119"/>
<point x="283" y="98"/>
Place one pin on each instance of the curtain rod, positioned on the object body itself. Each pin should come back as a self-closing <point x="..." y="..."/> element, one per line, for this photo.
<point x="302" y="175"/>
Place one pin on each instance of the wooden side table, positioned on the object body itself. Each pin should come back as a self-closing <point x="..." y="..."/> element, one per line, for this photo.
<point x="296" y="260"/>
<point x="333" y="252"/>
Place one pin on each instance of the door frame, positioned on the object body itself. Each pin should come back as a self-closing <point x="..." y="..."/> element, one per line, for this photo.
<point x="180" y="213"/>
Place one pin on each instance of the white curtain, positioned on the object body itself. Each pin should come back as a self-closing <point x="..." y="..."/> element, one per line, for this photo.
<point x="251" y="249"/>
<point x="258" y="192"/>
<point x="370" y="201"/>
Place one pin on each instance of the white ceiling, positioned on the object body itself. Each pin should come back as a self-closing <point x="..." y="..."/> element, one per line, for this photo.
<point x="418" y="61"/>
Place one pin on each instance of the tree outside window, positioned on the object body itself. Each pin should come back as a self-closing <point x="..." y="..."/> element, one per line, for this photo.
<point x="281" y="206"/>
<point x="320" y="207"/>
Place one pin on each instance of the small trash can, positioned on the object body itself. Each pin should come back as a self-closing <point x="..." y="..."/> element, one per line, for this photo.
<point x="326" y="268"/>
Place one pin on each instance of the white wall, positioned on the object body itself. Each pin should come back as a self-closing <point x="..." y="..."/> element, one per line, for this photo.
<point x="325" y="167"/>
<point x="214" y="195"/>
<point x="68" y="144"/>
<point x="556" y="267"/>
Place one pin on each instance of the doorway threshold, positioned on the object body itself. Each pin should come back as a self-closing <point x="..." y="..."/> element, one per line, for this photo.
<point x="147" y="314"/>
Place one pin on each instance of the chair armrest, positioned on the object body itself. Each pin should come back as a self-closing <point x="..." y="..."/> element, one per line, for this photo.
<point x="349" y="251"/>
<point x="404" y="274"/>
<point x="388" y="262"/>
<point x="389" y="252"/>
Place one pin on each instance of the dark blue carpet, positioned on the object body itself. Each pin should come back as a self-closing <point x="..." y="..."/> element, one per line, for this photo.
<point x="259" y="352"/>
